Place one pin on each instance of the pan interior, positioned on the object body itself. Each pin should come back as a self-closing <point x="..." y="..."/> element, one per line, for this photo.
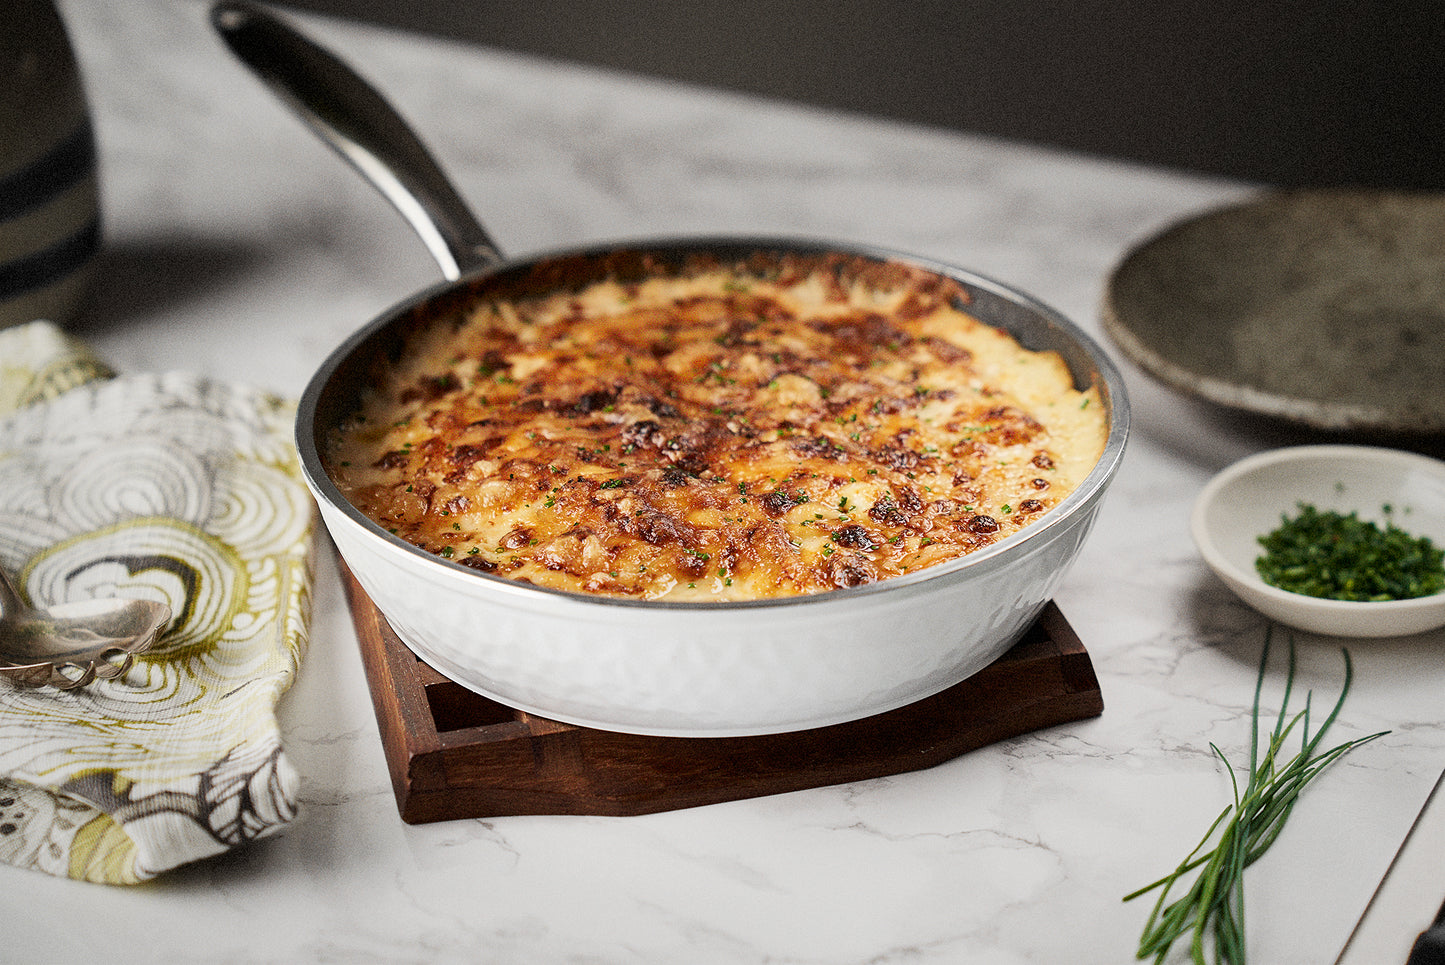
<point x="336" y="391"/>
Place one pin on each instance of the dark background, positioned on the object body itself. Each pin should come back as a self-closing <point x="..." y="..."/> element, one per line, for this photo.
<point x="1285" y="93"/>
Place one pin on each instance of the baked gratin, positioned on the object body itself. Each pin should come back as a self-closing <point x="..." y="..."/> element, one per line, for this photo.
<point x="718" y="434"/>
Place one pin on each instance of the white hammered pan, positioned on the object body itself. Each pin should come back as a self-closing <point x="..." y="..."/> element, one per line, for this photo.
<point x="679" y="669"/>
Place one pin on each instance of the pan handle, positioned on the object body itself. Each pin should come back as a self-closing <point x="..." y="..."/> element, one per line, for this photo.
<point x="348" y="114"/>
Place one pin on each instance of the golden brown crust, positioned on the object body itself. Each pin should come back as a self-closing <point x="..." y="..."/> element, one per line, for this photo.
<point x="719" y="436"/>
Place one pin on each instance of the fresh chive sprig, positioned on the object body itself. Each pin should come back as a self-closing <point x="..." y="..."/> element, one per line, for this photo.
<point x="1211" y="911"/>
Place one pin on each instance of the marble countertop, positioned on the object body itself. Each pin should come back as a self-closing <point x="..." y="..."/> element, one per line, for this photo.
<point x="240" y="247"/>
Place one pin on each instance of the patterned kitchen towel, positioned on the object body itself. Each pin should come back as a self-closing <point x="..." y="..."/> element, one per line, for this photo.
<point x="173" y="488"/>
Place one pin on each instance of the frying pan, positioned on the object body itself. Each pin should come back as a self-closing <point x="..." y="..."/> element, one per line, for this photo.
<point x="650" y="667"/>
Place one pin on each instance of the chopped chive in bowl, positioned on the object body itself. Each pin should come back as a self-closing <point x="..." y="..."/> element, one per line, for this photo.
<point x="1339" y="556"/>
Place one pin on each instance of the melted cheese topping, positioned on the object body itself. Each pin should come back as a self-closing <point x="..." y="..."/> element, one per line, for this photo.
<point x="719" y="436"/>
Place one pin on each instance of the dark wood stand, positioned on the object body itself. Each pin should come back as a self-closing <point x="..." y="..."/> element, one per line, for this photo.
<point x="453" y="753"/>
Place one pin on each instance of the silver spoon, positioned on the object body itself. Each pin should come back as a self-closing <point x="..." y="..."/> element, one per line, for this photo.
<point x="71" y="644"/>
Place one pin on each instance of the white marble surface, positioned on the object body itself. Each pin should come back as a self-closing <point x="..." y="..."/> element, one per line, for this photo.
<point x="240" y="247"/>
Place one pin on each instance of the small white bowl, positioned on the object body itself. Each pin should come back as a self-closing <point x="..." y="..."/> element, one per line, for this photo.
<point x="1250" y="498"/>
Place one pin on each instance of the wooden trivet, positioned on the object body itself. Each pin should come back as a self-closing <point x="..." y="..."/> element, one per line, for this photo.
<point x="453" y="753"/>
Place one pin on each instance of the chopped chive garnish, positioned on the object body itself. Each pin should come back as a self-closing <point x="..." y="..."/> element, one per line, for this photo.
<point x="1342" y="557"/>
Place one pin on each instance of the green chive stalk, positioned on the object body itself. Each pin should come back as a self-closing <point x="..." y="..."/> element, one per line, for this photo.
<point x="1211" y="911"/>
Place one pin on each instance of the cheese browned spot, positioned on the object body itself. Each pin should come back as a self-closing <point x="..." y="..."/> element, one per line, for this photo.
<point x="719" y="436"/>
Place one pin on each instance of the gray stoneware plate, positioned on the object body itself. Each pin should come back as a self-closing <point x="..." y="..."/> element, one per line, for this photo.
<point x="1325" y="308"/>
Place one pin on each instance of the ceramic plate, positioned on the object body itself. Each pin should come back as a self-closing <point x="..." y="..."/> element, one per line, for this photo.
<point x="1325" y="308"/>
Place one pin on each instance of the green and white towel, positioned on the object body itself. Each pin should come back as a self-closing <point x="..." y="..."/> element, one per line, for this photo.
<point x="174" y="488"/>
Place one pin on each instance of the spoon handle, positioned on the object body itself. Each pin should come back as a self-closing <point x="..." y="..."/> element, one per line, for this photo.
<point x="10" y="603"/>
<point x="356" y="121"/>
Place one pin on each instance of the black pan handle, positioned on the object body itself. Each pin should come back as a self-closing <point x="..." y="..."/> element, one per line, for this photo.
<point x="348" y="114"/>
